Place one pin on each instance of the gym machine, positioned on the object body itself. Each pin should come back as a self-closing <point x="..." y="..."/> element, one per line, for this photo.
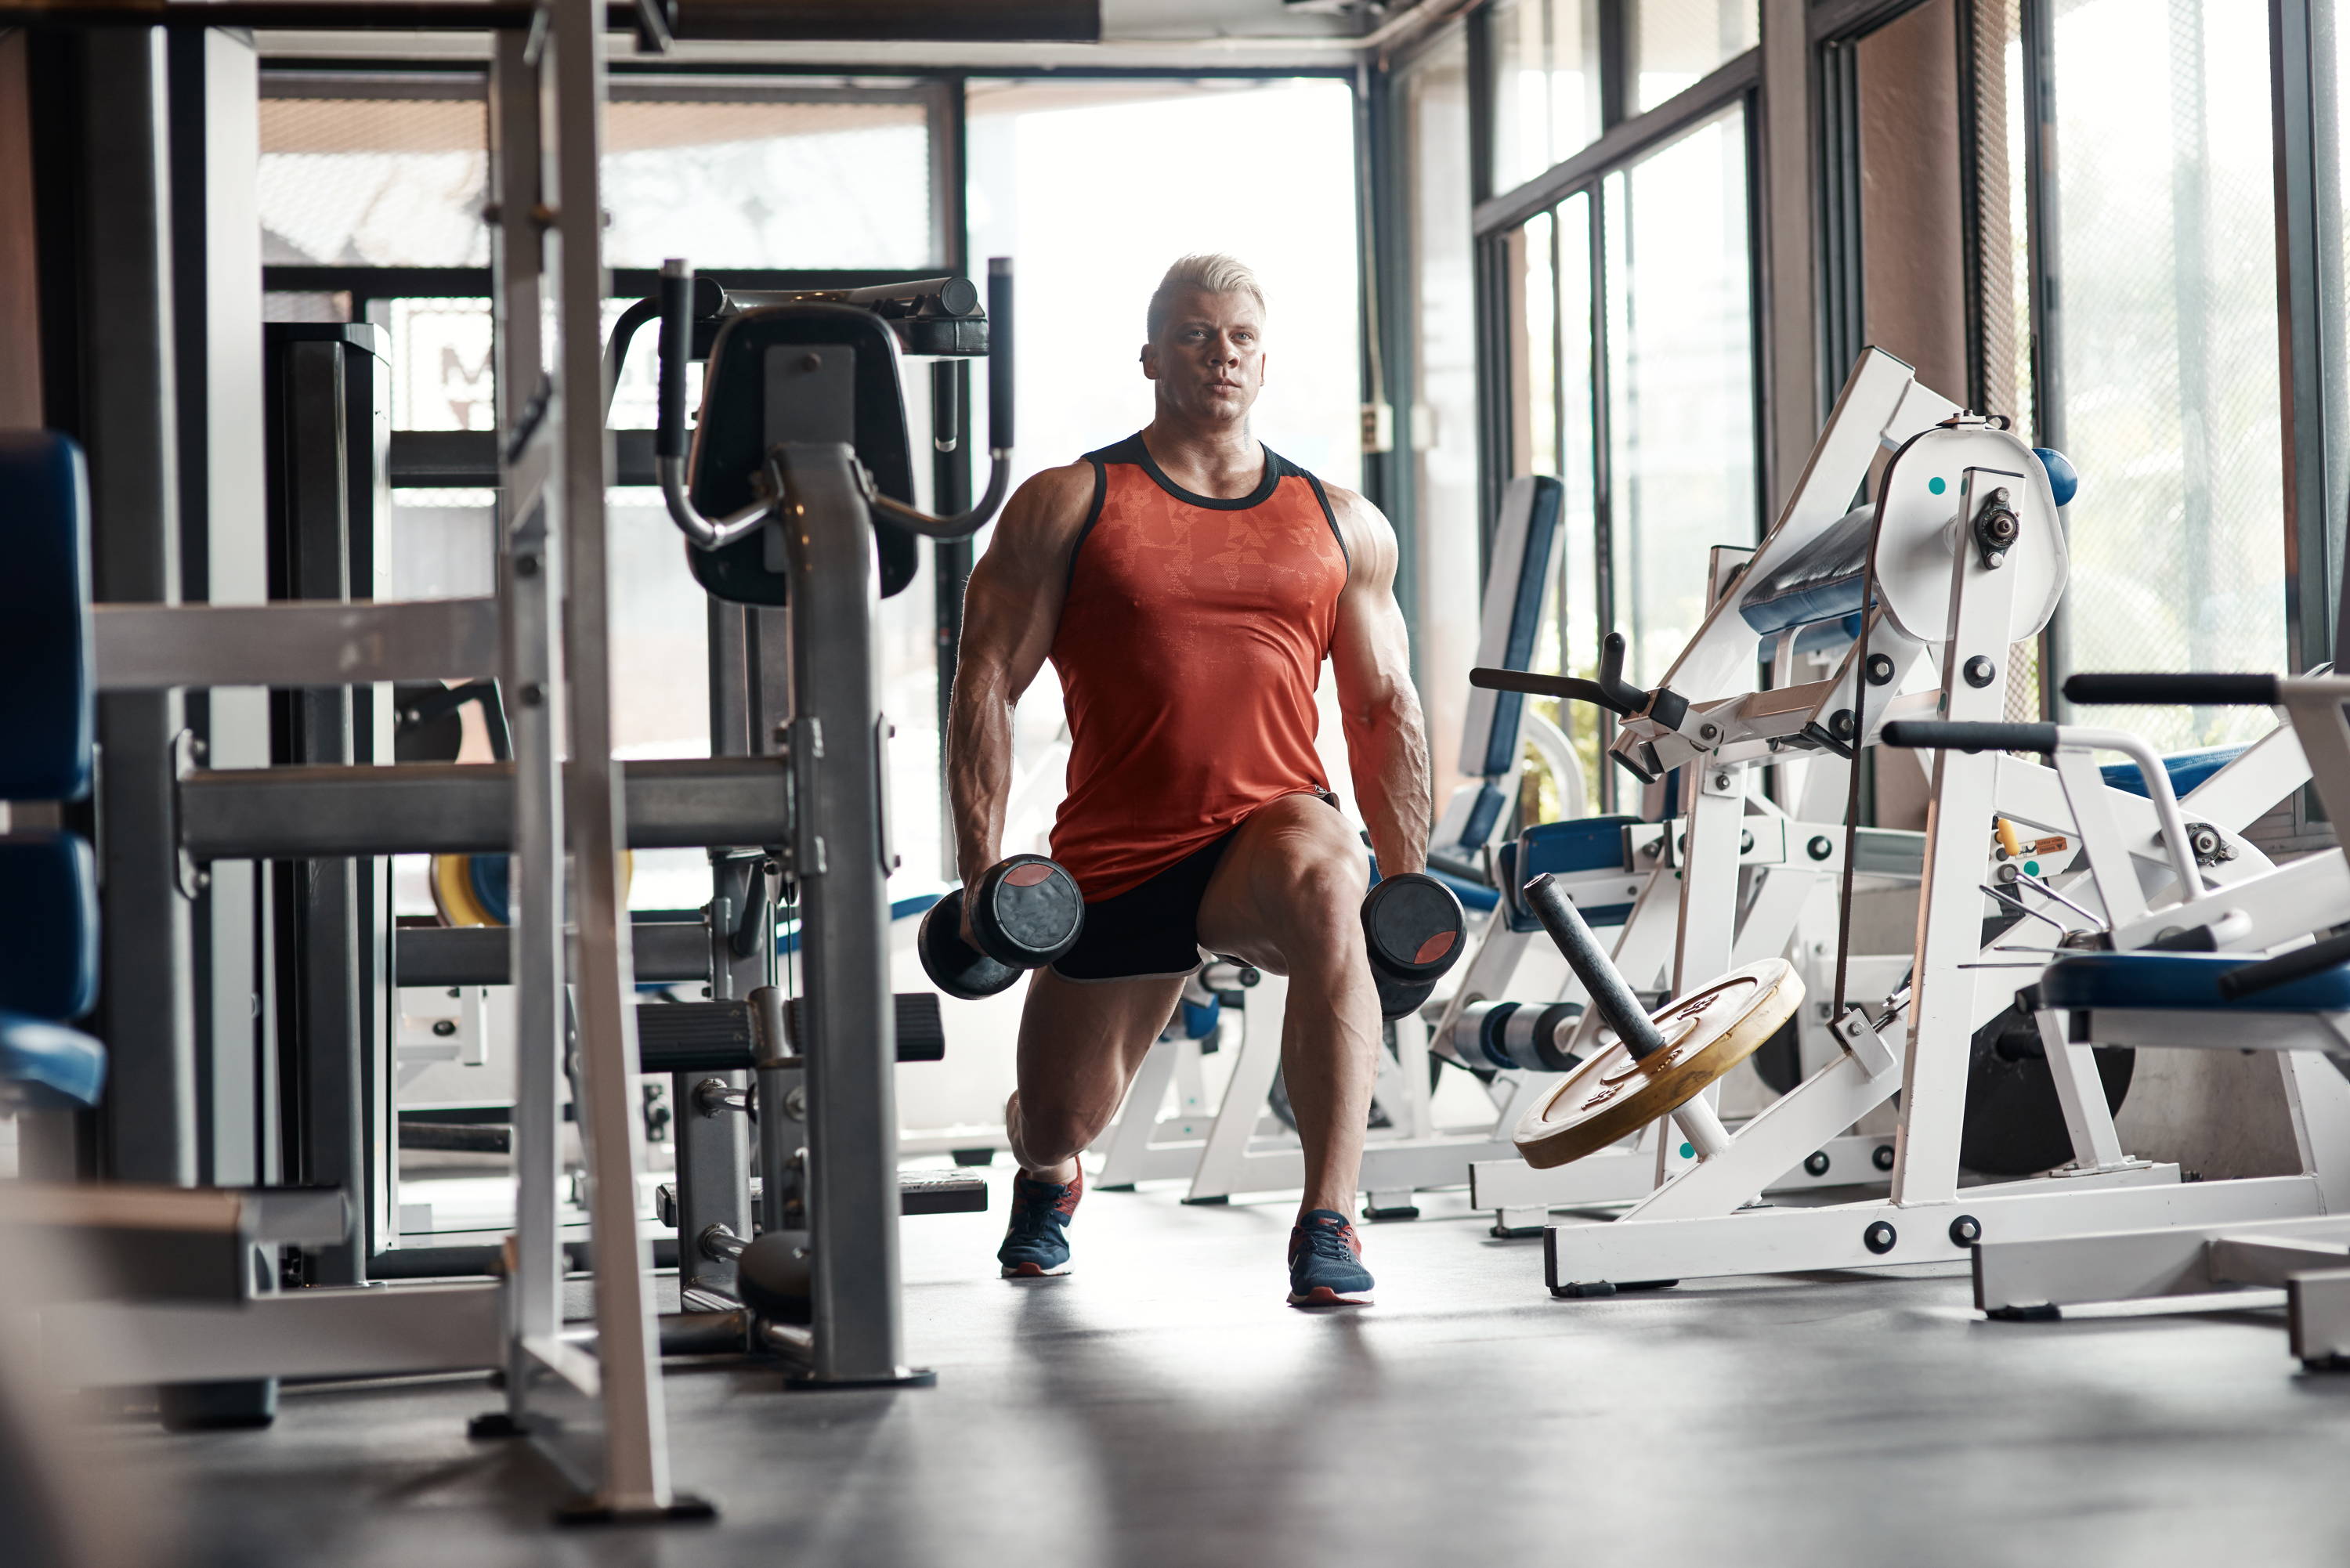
<point x="2184" y="976"/>
<point x="208" y="1308"/>
<point x="1960" y="556"/>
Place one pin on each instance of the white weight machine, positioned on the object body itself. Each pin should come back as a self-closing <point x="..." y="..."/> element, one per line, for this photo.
<point x="2179" y="977"/>
<point x="1960" y="557"/>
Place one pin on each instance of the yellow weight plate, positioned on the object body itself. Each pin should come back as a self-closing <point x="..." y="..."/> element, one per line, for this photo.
<point x="453" y="892"/>
<point x="1707" y="1032"/>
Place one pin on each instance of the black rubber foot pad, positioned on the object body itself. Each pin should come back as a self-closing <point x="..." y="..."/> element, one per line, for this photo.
<point x="681" y="1510"/>
<point x="2046" y="1312"/>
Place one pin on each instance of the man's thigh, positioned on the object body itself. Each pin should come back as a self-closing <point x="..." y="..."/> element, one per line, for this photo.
<point x="1082" y="1040"/>
<point x="1295" y="873"/>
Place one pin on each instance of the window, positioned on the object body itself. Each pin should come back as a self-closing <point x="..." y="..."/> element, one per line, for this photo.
<point x="1546" y="84"/>
<point x="2165" y="350"/>
<point x="1673" y="42"/>
<point x="1060" y="179"/>
<point x="1680" y="383"/>
<point x="362" y="169"/>
<point x="746" y="175"/>
<point x="374" y="171"/>
<point x="1441" y="421"/>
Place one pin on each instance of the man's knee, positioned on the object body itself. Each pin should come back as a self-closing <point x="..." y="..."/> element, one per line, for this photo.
<point x="1319" y="902"/>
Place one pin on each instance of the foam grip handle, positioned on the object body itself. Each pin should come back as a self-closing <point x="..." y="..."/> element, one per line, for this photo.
<point x="1568" y="687"/>
<point x="1944" y="735"/>
<point x="999" y="353"/>
<point x="2285" y="967"/>
<point x="2194" y="691"/>
<point x="676" y="347"/>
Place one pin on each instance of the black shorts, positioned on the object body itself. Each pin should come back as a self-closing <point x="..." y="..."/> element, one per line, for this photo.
<point x="1151" y="931"/>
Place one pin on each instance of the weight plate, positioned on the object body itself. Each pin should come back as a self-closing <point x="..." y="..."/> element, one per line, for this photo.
<point x="953" y="965"/>
<point x="2014" y="1124"/>
<point x="1414" y="925"/>
<point x="1707" y="1033"/>
<point x="1030" y="912"/>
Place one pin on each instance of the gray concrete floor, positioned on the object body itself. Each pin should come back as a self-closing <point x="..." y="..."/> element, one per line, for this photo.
<point x="1161" y="1407"/>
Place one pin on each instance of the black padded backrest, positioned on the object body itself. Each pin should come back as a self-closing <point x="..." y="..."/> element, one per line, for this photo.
<point x="781" y="373"/>
<point x="49" y="712"/>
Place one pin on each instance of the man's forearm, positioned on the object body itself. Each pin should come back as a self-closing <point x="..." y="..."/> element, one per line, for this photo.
<point x="979" y="775"/>
<point x="1389" y="762"/>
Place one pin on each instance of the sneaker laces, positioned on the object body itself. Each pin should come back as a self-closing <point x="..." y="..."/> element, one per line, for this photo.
<point x="1328" y="1240"/>
<point x="1037" y="1201"/>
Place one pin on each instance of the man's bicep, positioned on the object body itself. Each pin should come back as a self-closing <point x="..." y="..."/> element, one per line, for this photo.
<point x="1012" y="604"/>
<point x="1372" y="652"/>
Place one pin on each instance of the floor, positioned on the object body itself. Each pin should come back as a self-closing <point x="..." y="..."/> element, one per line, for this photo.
<point x="1160" y="1406"/>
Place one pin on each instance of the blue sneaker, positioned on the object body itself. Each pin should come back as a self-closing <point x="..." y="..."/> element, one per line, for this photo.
<point x="1326" y="1263"/>
<point x="1036" y="1243"/>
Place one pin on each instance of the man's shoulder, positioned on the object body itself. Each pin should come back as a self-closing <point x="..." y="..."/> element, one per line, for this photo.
<point x="1051" y="501"/>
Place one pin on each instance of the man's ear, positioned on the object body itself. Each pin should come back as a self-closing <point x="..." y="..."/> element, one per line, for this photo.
<point x="1150" y="358"/>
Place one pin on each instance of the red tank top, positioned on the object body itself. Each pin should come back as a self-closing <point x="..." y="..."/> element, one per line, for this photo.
<point x="1189" y="647"/>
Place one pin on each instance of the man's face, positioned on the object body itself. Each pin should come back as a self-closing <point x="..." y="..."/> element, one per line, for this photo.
<point x="1209" y="358"/>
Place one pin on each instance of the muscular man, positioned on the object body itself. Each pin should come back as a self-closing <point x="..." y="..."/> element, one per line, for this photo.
<point x="1187" y="584"/>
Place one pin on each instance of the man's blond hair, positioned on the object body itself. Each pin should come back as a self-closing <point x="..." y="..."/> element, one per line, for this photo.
<point x="1209" y="273"/>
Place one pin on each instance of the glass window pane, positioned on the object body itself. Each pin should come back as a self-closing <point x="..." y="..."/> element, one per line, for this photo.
<point x="394" y="172"/>
<point x="1033" y="144"/>
<point x="1545" y="84"/>
<point x="1443" y="409"/>
<point x="1681" y="382"/>
<point x="795" y="178"/>
<point x="1535" y="449"/>
<point x="2166" y="264"/>
<point x="1675" y="42"/>
<point x="375" y="182"/>
<point x="1576" y="633"/>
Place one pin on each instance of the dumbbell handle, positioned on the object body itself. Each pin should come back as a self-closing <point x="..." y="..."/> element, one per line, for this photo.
<point x="1616" y="1004"/>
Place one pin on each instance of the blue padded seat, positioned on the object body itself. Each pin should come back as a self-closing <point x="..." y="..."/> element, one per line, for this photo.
<point x="2186" y="769"/>
<point x="47" y="1067"/>
<point x="1564" y="848"/>
<point x="49" y="682"/>
<point x="1819" y="582"/>
<point x="48" y="925"/>
<point x="1473" y="896"/>
<point x="2181" y="983"/>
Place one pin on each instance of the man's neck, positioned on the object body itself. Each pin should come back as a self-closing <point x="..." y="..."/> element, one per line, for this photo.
<point x="1220" y="460"/>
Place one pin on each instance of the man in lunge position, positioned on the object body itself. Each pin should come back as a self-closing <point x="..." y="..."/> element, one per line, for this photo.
<point x="1187" y="584"/>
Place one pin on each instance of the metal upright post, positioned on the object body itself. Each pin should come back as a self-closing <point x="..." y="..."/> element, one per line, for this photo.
<point x="841" y="853"/>
<point x="636" y="1449"/>
<point x="321" y="897"/>
<point x="147" y="1010"/>
<point x="529" y="554"/>
<point x="713" y="1141"/>
<point x="1943" y="1010"/>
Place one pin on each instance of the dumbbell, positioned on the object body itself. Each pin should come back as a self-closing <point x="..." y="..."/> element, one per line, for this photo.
<point x="1414" y="929"/>
<point x="1029" y="913"/>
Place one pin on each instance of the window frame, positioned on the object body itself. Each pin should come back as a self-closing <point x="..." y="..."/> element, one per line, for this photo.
<point x="1624" y="141"/>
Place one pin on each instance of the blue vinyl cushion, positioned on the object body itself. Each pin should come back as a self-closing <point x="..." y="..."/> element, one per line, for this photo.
<point x="47" y="1067"/>
<point x="2181" y="983"/>
<point x="1819" y="582"/>
<point x="1585" y="844"/>
<point x="48" y="925"/>
<point x="48" y="714"/>
<point x="2186" y="769"/>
